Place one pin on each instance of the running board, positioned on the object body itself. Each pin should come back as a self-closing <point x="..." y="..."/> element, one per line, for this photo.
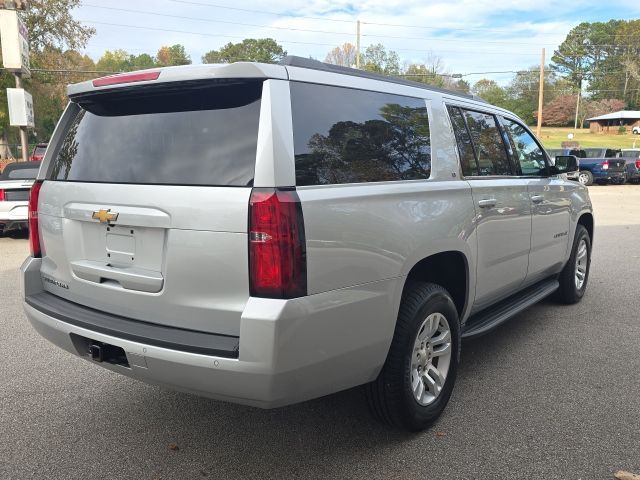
<point x="488" y="319"/>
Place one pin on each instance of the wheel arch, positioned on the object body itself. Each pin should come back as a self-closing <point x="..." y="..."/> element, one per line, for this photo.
<point x="449" y="269"/>
<point x="586" y="220"/>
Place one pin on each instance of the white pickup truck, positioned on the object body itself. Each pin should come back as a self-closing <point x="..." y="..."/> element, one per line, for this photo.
<point x="15" y="183"/>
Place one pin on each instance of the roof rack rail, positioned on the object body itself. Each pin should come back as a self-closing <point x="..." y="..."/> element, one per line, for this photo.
<point x="294" y="61"/>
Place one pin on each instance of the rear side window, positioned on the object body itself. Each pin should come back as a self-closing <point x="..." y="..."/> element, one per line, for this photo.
<point x="343" y="135"/>
<point x="489" y="145"/>
<point x="465" y="147"/>
<point x="188" y="134"/>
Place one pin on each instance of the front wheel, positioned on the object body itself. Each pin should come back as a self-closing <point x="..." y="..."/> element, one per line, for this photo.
<point x="585" y="178"/>
<point x="417" y="378"/>
<point x="575" y="274"/>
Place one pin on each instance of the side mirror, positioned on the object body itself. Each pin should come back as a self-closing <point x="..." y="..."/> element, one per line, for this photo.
<point x="565" y="164"/>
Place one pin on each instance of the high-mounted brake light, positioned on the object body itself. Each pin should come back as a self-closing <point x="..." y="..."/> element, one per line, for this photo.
<point x="605" y="165"/>
<point x="277" y="249"/>
<point x="34" y="233"/>
<point x="125" y="78"/>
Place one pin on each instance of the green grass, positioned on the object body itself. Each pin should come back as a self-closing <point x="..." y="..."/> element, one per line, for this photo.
<point x="553" y="137"/>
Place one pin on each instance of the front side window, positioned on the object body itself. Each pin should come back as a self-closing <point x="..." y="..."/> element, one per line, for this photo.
<point x="488" y="142"/>
<point x="343" y="135"/>
<point x="528" y="154"/>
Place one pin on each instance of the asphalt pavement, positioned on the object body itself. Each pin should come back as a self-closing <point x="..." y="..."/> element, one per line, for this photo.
<point x="553" y="394"/>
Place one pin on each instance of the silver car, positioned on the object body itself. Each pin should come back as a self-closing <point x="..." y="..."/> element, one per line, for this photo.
<point x="268" y="234"/>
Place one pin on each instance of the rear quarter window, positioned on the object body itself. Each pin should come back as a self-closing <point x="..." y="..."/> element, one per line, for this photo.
<point x="344" y="135"/>
<point x="195" y="134"/>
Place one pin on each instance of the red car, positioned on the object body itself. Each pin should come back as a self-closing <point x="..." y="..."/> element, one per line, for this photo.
<point x="38" y="152"/>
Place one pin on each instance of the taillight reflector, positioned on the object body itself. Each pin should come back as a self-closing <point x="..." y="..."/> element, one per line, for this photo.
<point x="277" y="250"/>
<point x="125" y="78"/>
<point x="34" y="233"/>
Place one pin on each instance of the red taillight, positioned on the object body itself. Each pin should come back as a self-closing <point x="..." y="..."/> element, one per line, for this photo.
<point x="605" y="165"/>
<point x="34" y="234"/>
<point x="125" y="78"/>
<point x="1" y="195"/>
<point x="277" y="250"/>
<point x="638" y="164"/>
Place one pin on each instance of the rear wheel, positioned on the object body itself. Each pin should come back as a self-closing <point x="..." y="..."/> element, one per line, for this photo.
<point x="417" y="379"/>
<point x="585" y="177"/>
<point x="575" y="275"/>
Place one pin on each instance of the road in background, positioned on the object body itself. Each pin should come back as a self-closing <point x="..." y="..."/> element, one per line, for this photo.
<point x="553" y="394"/>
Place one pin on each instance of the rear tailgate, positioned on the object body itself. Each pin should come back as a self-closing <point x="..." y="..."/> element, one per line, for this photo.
<point x="617" y="165"/>
<point x="143" y="212"/>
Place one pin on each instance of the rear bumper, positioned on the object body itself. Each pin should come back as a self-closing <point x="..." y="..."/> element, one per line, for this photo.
<point x="289" y="350"/>
<point x="13" y="216"/>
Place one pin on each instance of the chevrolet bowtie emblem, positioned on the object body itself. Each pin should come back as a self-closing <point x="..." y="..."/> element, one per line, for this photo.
<point x="105" y="216"/>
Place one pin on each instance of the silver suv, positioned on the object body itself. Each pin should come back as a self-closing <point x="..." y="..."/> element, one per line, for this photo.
<point x="268" y="234"/>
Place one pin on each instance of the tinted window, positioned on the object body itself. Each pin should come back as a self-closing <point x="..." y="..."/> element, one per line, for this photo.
<point x="465" y="148"/>
<point x="631" y="154"/>
<point x="527" y="152"/>
<point x="489" y="146"/>
<point x="593" y="152"/>
<point x="612" y="153"/>
<point x="39" y="150"/>
<point x="352" y="136"/>
<point x="22" y="174"/>
<point x="204" y="134"/>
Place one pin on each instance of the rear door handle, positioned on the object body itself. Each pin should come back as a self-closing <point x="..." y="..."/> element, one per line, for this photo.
<point x="537" y="198"/>
<point x="487" y="203"/>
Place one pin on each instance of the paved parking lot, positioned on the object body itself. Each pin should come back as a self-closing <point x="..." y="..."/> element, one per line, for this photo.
<point x="554" y="394"/>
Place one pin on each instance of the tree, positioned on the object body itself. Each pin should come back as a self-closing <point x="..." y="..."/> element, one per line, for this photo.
<point x="344" y="56"/>
<point x="51" y="24"/>
<point x="264" y="50"/>
<point x="173" y="55"/>
<point x="595" y="108"/>
<point x="114" y="61"/>
<point x="490" y="91"/>
<point x="572" y="59"/>
<point x="377" y="59"/>
<point x="52" y="31"/>
<point x="560" y="112"/>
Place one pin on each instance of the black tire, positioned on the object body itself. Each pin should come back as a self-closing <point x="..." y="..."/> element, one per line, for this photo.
<point x="589" y="177"/>
<point x="390" y="396"/>
<point x="568" y="292"/>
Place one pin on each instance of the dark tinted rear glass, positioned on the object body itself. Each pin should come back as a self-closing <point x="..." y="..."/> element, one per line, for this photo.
<point x="344" y="135"/>
<point x="594" y="152"/>
<point x="39" y="150"/>
<point x="203" y="134"/>
<point x="488" y="142"/>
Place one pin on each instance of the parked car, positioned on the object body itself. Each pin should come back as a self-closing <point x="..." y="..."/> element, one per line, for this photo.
<point x="38" y="152"/>
<point x="600" y="165"/>
<point x="15" y="183"/>
<point x="323" y="228"/>
<point x="635" y="130"/>
<point x="632" y="159"/>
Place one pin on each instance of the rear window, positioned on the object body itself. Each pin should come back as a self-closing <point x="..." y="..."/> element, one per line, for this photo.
<point x="631" y="154"/>
<point x="344" y="135"/>
<point x="39" y="150"/>
<point x="21" y="174"/>
<point x="187" y="134"/>
<point x="593" y="152"/>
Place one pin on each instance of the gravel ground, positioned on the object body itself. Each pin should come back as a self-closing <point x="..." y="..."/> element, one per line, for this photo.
<point x="554" y="394"/>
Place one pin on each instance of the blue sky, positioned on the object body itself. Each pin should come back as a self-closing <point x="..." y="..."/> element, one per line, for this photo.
<point x="468" y="36"/>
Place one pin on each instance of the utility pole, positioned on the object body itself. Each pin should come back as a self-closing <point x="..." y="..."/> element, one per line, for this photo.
<point x="358" y="46"/>
<point x="575" y="125"/>
<point x="540" y="95"/>
<point x="23" y="130"/>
